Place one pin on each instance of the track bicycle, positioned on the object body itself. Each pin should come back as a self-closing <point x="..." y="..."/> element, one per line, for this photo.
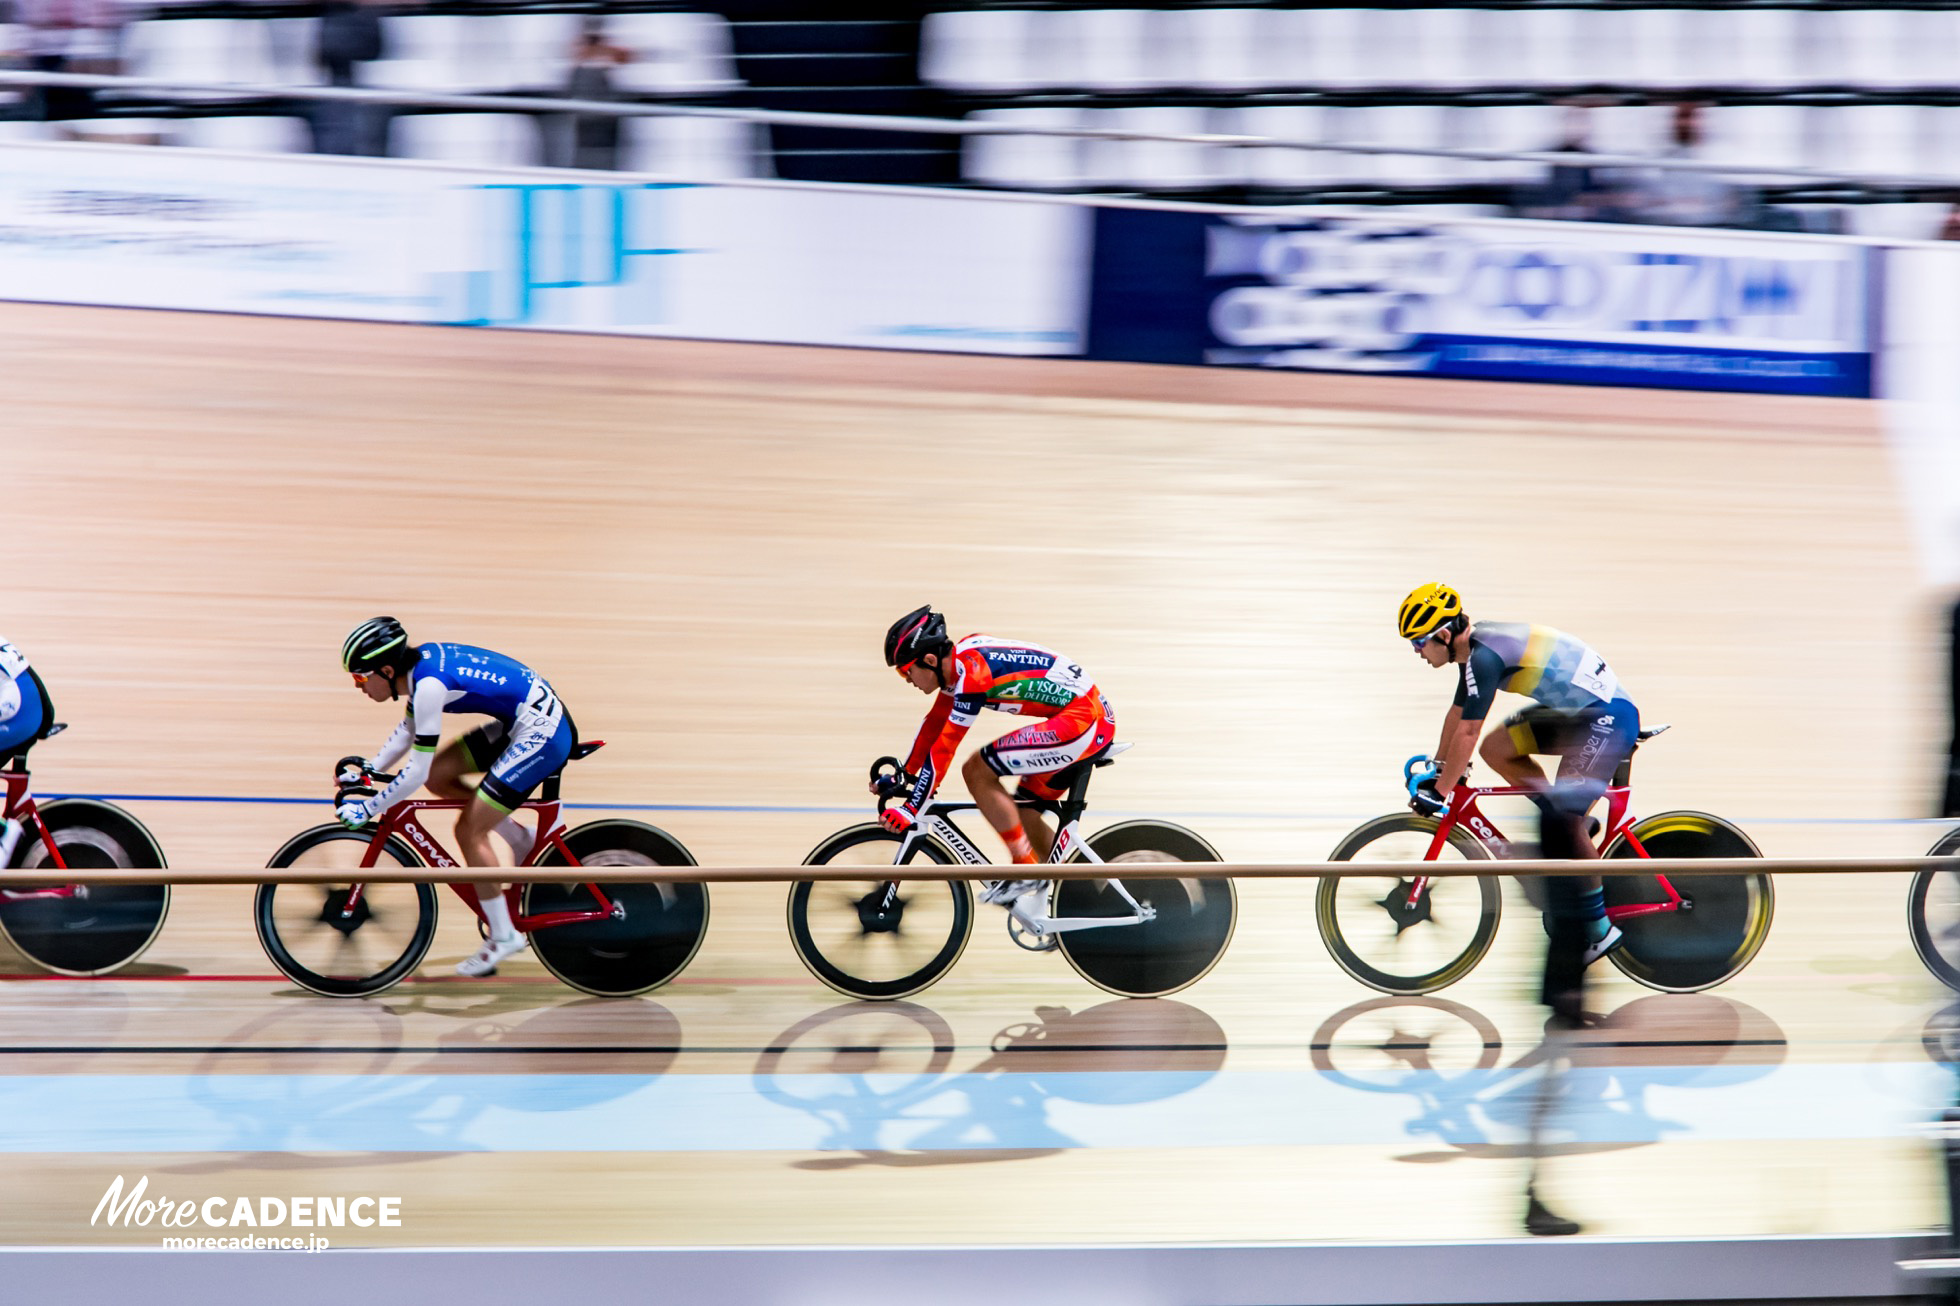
<point x="78" y="929"/>
<point x="883" y="938"/>
<point x="1413" y="934"/>
<point x="353" y="938"/>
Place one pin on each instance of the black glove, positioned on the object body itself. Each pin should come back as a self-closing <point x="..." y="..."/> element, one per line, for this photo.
<point x="1427" y="800"/>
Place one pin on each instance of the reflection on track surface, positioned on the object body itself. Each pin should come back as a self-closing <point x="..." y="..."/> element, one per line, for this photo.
<point x="889" y="1083"/>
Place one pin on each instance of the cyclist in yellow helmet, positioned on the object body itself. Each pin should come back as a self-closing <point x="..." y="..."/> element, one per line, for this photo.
<point x="1579" y="712"/>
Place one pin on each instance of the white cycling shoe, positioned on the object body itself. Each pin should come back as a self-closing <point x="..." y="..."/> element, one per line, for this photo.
<point x="493" y="951"/>
<point x="1602" y="945"/>
<point x="1005" y="893"/>
<point x="10" y="831"/>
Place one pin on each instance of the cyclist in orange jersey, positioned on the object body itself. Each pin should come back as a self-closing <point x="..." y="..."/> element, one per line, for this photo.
<point x="1076" y="725"/>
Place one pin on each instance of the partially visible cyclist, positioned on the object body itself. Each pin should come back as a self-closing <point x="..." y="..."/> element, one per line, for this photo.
<point x="1076" y="725"/>
<point x="1580" y="713"/>
<point x="529" y="737"/>
<point x="26" y="712"/>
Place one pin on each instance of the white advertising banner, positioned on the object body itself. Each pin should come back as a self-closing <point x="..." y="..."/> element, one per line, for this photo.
<point x="401" y="242"/>
<point x="163" y="228"/>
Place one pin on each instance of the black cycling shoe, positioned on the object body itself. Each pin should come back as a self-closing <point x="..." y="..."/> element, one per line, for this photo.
<point x="1541" y="1222"/>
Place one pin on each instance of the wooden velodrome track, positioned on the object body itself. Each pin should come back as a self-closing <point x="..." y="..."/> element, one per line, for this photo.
<point x="702" y="544"/>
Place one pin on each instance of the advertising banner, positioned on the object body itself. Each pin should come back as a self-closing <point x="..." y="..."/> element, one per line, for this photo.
<point x="1511" y="301"/>
<point x="400" y="242"/>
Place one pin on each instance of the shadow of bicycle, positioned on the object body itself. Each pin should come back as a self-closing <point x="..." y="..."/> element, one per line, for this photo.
<point x="881" y="1078"/>
<point x="1450" y="1060"/>
<point x="386" y="1101"/>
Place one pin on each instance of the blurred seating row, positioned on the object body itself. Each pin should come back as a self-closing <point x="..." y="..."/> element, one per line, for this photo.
<point x="673" y="53"/>
<point x="1889" y="139"/>
<point x="701" y="149"/>
<point x="1000" y="51"/>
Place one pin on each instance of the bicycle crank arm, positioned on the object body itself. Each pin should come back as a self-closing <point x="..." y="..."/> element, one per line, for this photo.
<point x="1040" y="922"/>
<point x="70" y="891"/>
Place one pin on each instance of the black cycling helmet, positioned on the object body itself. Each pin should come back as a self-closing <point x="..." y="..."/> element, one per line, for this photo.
<point x="912" y="636"/>
<point x="375" y="643"/>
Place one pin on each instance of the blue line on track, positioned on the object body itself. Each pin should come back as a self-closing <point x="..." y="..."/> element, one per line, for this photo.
<point x="774" y="809"/>
<point x="979" y="1109"/>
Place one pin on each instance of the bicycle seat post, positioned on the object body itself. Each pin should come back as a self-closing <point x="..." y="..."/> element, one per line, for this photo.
<point x="1076" y="800"/>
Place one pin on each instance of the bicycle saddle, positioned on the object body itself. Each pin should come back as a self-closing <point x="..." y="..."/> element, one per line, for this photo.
<point x="587" y="749"/>
<point x="1645" y="735"/>
<point x="1109" y="754"/>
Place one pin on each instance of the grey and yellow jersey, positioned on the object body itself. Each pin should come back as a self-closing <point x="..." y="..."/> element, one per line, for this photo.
<point x="1538" y="662"/>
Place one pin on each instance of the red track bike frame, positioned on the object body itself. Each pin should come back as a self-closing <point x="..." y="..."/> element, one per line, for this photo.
<point x="403" y="819"/>
<point x="20" y="806"/>
<point x="1465" y="812"/>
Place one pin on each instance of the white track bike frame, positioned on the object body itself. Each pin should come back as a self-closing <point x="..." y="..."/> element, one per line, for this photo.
<point x="1027" y="914"/>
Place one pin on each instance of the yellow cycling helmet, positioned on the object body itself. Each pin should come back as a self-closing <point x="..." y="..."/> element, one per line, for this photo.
<point x="1427" y="608"/>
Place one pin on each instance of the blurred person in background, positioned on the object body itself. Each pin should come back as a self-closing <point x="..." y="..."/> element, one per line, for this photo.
<point x="350" y="35"/>
<point x="1685" y="198"/>
<point x="69" y="36"/>
<point x="1573" y="192"/>
<point x="595" y="137"/>
<point x="1950" y="795"/>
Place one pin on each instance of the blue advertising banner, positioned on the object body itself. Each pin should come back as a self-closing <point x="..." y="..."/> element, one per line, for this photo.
<point x="1596" y="305"/>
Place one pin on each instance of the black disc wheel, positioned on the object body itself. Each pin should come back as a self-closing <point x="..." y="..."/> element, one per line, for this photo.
<point x="101" y="927"/>
<point x="1933" y="914"/>
<point x="349" y="938"/>
<point x="652" y="930"/>
<point x="1394" y="934"/>
<point x="1189" y="929"/>
<point x="1721" y="922"/>
<point x="875" y="938"/>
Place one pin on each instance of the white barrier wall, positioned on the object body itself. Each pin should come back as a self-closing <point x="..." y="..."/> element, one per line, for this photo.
<point x="402" y="242"/>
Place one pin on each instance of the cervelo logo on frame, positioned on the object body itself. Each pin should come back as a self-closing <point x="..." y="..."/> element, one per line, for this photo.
<point x="135" y="1209"/>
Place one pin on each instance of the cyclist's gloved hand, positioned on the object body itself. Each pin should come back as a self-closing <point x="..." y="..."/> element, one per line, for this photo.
<point x="1427" y="800"/>
<point x="898" y="818"/>
<point x="350" y="770"/>
<point x="354" y="812"/>
<point x="890" y="782"/>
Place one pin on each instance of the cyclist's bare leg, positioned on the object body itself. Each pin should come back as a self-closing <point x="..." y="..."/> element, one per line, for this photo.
<point x="450" y="777"/>
<point x="452" y="763"/>
<point x="1501" y="755"/>
<point x="996" y="804"/>
<point x="1040" y="837"/>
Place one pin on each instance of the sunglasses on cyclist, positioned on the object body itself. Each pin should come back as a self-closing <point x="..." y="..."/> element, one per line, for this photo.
<point x="1420" y="641"/>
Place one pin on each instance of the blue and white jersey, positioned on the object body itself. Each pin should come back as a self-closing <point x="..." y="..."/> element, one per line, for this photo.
<point x="23" y="701"/>
<point x="462" y="678"/>
<point x="13" y="666"/>
<point x="480" y="682"/>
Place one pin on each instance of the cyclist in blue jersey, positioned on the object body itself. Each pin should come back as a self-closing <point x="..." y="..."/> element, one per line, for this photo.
<point x="25" y="715"/>
<point x="529" y="737"/>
